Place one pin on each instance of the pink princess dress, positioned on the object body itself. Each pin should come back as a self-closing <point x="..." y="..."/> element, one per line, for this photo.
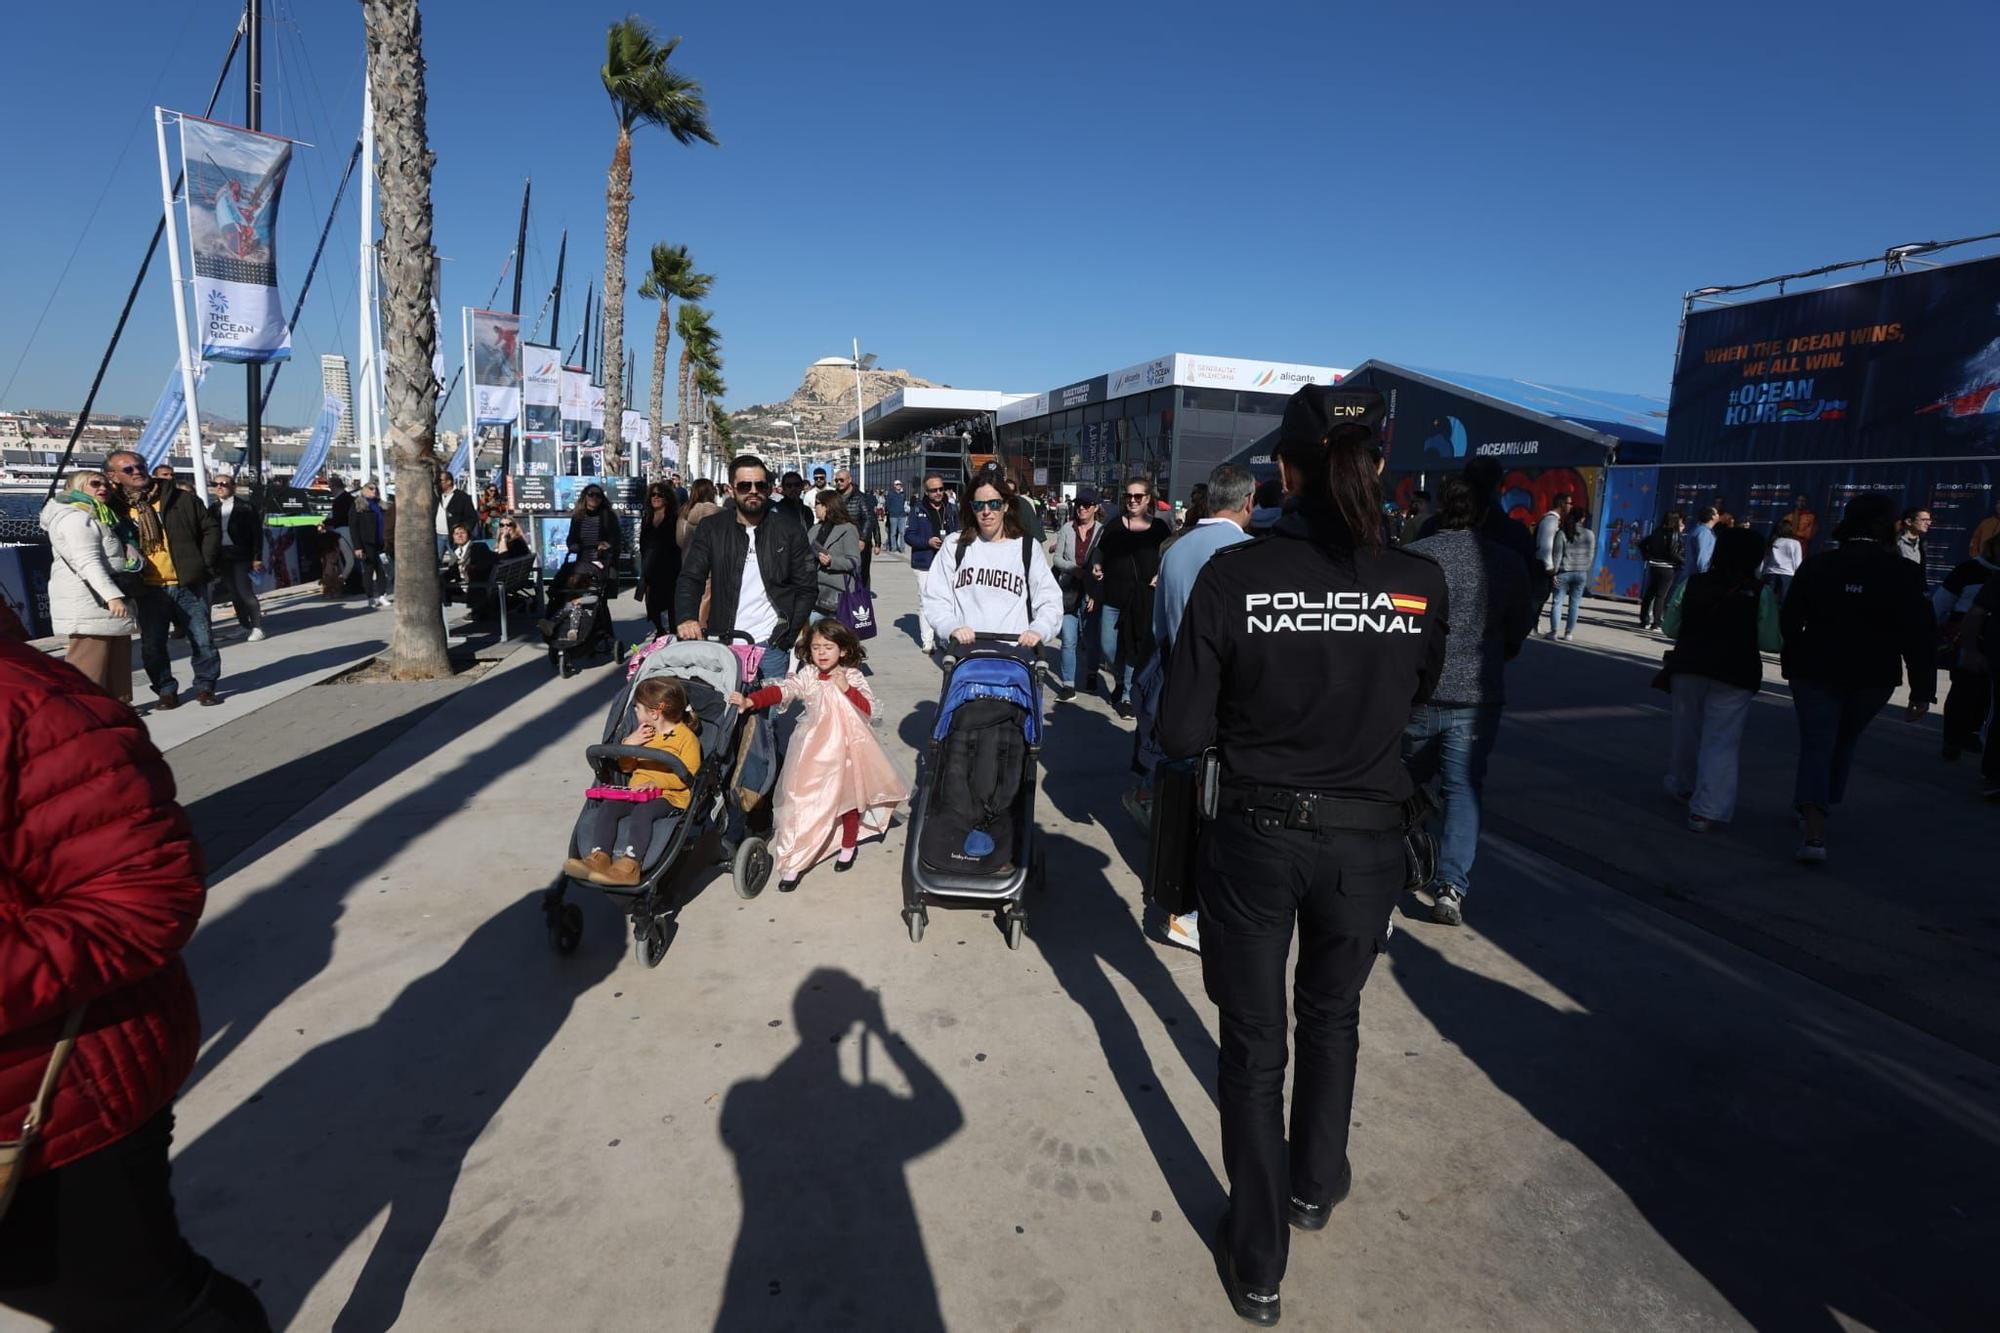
<point x="833" y="765"/>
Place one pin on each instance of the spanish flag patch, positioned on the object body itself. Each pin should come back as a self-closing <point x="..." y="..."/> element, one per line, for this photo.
<point x="1409" y="603"/>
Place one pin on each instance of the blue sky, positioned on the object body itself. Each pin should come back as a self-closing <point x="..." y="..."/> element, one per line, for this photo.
<point x="1013" y="196"/>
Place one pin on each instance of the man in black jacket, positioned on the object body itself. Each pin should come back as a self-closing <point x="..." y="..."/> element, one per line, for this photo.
<point x="241" y="529"/>
<point x="860" y="508"/>
<point x="1855" y="622"/>
<point x="182" y="549"/>
<point x="728" y="547"/>
<point x="453" y="508"/>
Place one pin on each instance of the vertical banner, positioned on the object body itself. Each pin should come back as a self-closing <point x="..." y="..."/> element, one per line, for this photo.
<point x="157" y="440"/>
<point x="461" y="459"/>
<point x="541" y="409"/>
<point x="234" y="180"/>
<point x="495" y="359"/>
<point x="319" y="444"/>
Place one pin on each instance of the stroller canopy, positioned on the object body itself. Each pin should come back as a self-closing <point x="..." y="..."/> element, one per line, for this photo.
<point x="994" y="676"/>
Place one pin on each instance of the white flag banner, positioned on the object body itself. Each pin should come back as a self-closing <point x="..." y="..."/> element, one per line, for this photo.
<point x="495" y="358"/>
<point x="234" y="179"/>
<point x="575" y="406"/>
<point x="169" y="414"/>
<point x="320" y="443"/>
<point x="541" y="390"/>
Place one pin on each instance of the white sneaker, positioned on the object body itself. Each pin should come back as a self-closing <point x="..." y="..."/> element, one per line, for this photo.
<point x="1565" y="636"/>
<point x="256" y="635"/>
<point x="1184" y="931"/>
<point x="388" y="598"/>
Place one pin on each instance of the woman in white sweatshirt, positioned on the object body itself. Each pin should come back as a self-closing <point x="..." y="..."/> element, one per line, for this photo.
<point x="991" y="580"/>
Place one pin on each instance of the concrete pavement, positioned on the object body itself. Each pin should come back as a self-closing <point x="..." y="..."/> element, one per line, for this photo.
<point x="1579" y="1112"/>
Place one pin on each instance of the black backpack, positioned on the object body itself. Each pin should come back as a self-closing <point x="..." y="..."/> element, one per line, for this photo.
<point x="969" y="825"/>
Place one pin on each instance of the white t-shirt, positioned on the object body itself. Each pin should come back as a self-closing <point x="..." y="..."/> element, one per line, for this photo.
<point x="987" y="591"/>
<point x="222" y="513"/>
<point x="442" y="530"/>
<point x="1783" y="557"/>
<point x="755" y="615"/>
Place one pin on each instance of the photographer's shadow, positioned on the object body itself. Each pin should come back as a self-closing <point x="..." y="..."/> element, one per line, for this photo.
<point x="829" y="1237"/>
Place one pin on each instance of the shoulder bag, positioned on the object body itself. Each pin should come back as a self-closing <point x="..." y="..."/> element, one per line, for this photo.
<point x="14" y="1152"/>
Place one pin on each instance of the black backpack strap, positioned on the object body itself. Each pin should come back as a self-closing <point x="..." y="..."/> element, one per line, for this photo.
<point x="1028" y="574"/>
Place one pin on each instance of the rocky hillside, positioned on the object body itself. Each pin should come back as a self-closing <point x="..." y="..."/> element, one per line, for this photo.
<point x="821" y="405"/>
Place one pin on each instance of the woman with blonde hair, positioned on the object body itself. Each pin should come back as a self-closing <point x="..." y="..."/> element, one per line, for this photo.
<point x="96" y="557"/>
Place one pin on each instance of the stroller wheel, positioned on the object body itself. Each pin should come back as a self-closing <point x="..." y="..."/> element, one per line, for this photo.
<point x="752" y="867"/>
<point x="562" y="665"/>
<point x="1016" y="923"/>
<point x="650" y="938"/>
<point x="916" y="919"/>
<point x="566" y="928"/>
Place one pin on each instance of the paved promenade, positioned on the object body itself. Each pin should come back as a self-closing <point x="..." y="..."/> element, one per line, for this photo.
<point x="1657" y="1082"/>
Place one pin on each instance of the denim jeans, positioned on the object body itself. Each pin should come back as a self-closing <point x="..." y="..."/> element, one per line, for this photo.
<point x="1107" y="647"/>
<point x="1831" y="720"/>
<point x="1707" y="744"/>
<point x="1568" y="587"/>
<point x="774" y="665"/>
<point x="1079" y="644"/>
<point x="157" y="610"/>
<point x="1452" y="743"/>
<point x="896" y="523"/>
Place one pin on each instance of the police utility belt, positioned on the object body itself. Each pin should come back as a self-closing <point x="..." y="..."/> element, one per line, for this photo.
<point x="1187" y="794"/>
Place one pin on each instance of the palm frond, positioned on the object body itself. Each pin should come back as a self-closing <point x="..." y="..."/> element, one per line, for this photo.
<point x="645" y="89"/>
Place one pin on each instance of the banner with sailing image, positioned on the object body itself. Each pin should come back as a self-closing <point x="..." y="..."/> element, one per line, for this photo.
<point x="169" y="414"/>
<point x="319" y="443"/>
<point x="234" y="180"/>
<point x="495" y="358"/>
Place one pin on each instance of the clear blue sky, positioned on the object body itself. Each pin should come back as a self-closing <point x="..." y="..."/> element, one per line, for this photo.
<point x="1011" y="196"/>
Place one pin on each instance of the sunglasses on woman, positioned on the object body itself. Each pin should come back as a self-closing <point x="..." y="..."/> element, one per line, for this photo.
<point x="1135" y="497"/>
<point x="988" y="506"/>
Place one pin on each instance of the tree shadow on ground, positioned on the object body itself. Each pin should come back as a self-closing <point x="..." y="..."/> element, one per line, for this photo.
<point x="317" y="662"/>
<point x="1793" y="1161"/>
<point x="829" y="1237"/>
<point x="382" y="1118"/>
<point x="248" y="960"/>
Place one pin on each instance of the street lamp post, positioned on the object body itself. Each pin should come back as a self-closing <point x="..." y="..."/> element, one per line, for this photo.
<point x="860" y="363"/>
<point x="798" y="450"/>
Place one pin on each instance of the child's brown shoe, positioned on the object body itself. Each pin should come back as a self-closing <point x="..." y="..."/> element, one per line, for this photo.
<point x="623" y="873"/>
<point x="587" y="867"/>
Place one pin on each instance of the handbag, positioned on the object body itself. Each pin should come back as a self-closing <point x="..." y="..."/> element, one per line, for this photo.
<point x="856" y="609"/>
<point x="1174" y="838"/>
<point x="14" y="1152"/>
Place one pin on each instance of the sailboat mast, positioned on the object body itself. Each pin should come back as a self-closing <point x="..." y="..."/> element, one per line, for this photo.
<point x="253" y="118"/>
<point x="367" y="425"/>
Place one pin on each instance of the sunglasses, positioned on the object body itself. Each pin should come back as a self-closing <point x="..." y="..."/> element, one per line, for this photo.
<point x="224" y="485"/>
<point x="128" y="470"/>
<point x="1136" y="497"/>
<point x="988" y="506"/>
<point x="753" y="487"/>
<point x="933" y="490"/>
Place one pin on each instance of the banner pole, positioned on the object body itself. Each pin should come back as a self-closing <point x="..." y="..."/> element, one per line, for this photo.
<point x="180" y="309"/>
<point x="364" y="400"/>
<point x="471" y="390"/>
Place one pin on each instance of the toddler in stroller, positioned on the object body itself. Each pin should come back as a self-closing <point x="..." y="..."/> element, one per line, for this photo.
<point x="644" y="840"/>
<point x="579" y="618"/>
<point x="652" y="789"/>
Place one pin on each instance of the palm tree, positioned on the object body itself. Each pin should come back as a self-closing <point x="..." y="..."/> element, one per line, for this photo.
<point x="708" y="383"/>
<point x="417" y="649"/>
<point x="699" y="344"/>
<point x="644" y="90"/>
<point x="671" y="277"/>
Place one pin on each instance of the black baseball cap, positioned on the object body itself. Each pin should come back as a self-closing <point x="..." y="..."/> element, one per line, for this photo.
<point x="1316" y="411"/>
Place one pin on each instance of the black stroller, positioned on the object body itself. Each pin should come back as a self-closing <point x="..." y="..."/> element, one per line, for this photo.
<point x="972" y="840"/>
<point x="578" y="624"/>
<point x="710" y="671"/>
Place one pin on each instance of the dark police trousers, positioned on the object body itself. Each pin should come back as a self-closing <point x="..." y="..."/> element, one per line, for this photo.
<point x="1256" y="878"/>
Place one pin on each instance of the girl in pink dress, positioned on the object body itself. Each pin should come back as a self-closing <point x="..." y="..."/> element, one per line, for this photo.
<point x="837" y="780"/>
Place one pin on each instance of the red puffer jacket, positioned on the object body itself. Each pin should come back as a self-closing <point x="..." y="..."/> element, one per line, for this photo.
<point x="100" y="886"/>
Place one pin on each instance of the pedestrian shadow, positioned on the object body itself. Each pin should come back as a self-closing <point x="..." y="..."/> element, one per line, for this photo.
<point x="248" y="960"/>
<point x="1814" y="1181"/>
<point x="383" y="1119"/>
<point x="829" y="1237"/>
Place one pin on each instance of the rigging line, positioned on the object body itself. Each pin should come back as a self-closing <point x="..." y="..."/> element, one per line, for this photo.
<point x="110" y="179"/>
<point x="132" y="296"/>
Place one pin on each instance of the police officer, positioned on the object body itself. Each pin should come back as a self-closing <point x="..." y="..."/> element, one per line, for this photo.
<point x="1300" y="657"/>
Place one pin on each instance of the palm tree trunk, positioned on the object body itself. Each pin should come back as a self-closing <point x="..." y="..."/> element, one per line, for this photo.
<point x="688" y="458"/>
<point x="659" y="386"/>
<point x="417" y="648"/>
<point x="617" y="220"/>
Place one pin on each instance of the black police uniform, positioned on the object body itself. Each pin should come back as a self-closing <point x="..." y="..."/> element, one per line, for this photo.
<point x="1299" y="662"/>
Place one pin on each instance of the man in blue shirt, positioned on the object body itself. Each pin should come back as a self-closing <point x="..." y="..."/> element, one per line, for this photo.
<point x="1231" y="490"/>
<point x="1700" y="543"/>
<point x="896" y="505"/>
